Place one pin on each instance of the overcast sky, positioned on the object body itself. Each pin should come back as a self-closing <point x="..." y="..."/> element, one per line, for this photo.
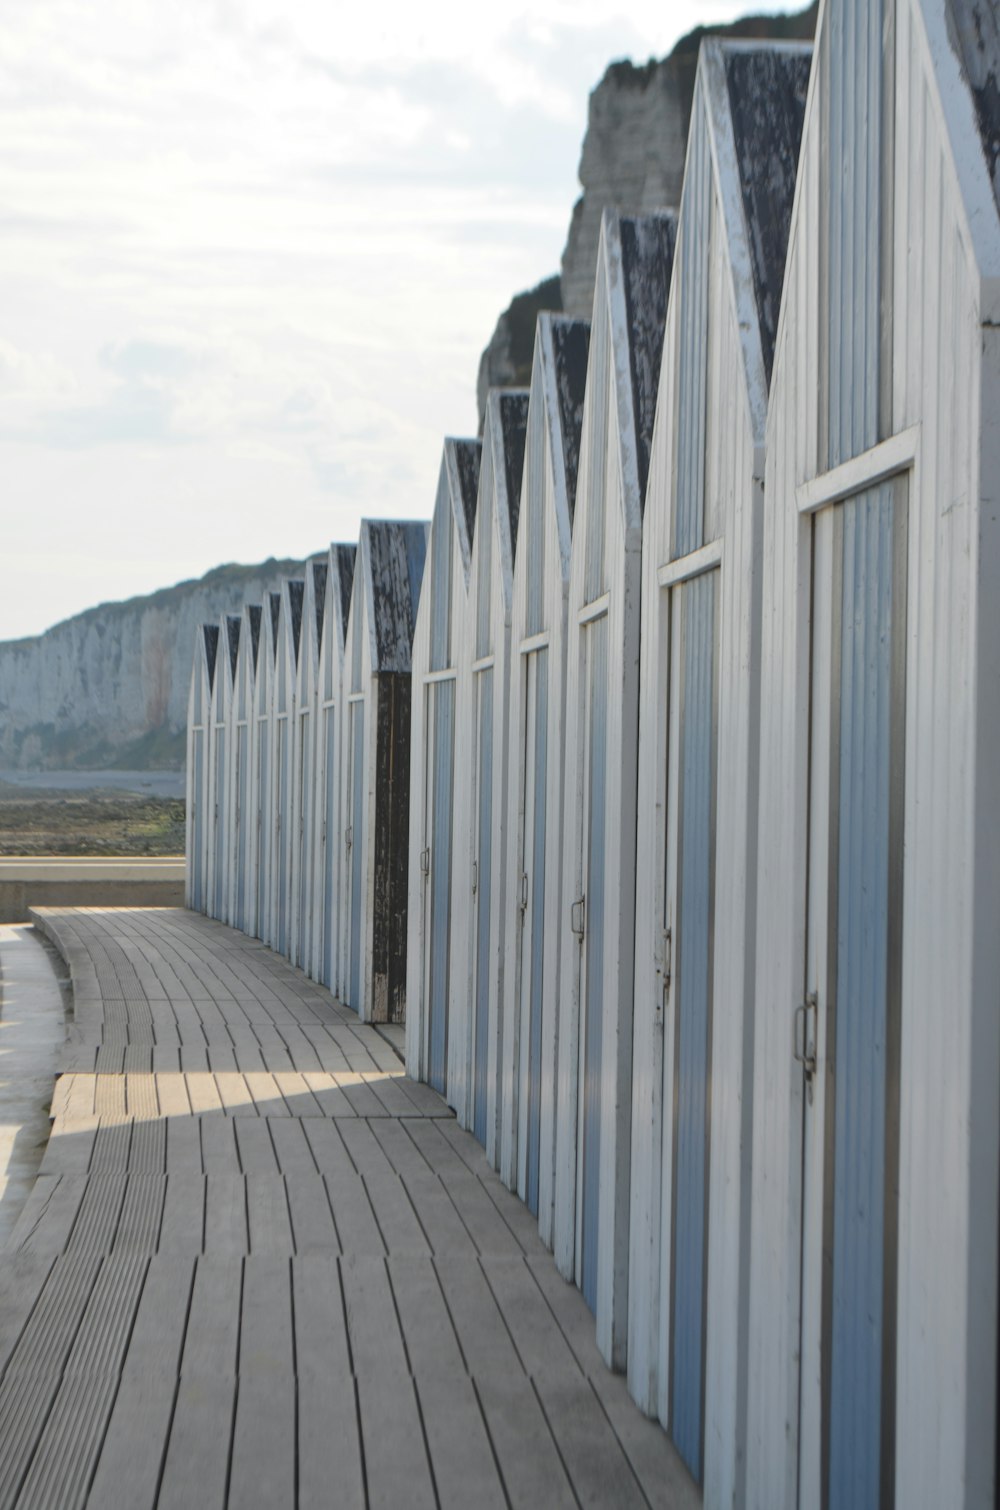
<point x="249" y="255"/>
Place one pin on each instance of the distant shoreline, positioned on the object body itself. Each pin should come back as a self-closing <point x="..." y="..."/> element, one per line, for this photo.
<point x="144" y="783"/>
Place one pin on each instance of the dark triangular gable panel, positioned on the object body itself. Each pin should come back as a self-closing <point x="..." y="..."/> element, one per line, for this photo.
<point x="319" y="571"/>
<point x="233" y="622"/>
<point x="571" y="348"/>
<point x="647" y="244"/>
<point x="275" y="600"/>
<point x="468" y="455"/>
<point x="974" y="30"/>
<point x="255" y="618"/>
<point x="346" y="556"/>
<point x="211" y="635"/>
<point x="767" y="100"/>
<point x="296" y="592"/>
<point x="513" y="427"/>
<point x="396" y="552"/>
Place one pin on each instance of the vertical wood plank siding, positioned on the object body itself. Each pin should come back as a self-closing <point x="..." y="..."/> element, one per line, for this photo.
<point x="660" y="799"/>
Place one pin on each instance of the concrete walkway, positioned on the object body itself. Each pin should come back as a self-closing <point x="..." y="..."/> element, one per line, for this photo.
<point x="261" y="1267"/>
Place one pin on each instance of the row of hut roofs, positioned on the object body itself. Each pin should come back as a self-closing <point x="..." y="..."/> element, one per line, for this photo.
<point x="655" y="778"/>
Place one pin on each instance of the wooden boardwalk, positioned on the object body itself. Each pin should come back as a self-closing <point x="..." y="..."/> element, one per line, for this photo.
<point x="261" y="1267"/>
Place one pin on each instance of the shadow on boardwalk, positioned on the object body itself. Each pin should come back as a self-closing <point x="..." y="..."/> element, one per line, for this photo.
<point x="262" y="1267"/>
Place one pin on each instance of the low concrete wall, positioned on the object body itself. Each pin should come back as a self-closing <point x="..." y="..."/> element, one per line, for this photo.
<point x="66" y="881"/>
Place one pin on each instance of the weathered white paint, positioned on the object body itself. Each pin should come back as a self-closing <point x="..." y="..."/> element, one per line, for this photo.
<point x="605" y="579"/>
<point x="219" y="793"/>
<point x="484" y="647"/>
<point x="282" y="715"/>
<point x="242" y="746"/>
<point x="541" y="572"/>
<point x="377" y="647"/>
<point x="199" y="723"/>
<point x="944" y="371"/>
<point x="262" y="796"/>
<point x="732" y="441"/>
<point x="304" y="792"/>
<point x="449" y="556"/>
<point x="327" y="835"/>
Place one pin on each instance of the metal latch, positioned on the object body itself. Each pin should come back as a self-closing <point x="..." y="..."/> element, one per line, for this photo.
<point x="804" y="1036"/>
<point x="668" y="960"/>
<point x="524" y="890"/>
<point x="425" y="861"/>
<point x="475" y="876"/>
<point x="349" y="836"/>
<point x="577" y="914"/>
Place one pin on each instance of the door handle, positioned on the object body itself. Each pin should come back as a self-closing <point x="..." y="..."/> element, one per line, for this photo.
<point x="804" y="1034"/>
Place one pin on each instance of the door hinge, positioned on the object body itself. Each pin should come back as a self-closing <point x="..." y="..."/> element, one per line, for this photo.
<point x="804" y="1036"/>
<point x="577" y="916"/>
<point x="425" y="861"/>
<point x="524" y="891"/>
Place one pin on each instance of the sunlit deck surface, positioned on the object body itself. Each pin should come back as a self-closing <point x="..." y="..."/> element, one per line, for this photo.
<point x="262" y="1267"/>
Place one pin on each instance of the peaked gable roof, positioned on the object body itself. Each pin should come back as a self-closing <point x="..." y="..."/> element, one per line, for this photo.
<point x="642" y="246"/>
<point x="210" y="640"/>
<point x="569" y="342"/>
<point x="974" y="32"/>
<point x="233" y="623"/>
<point x="766" y="88"/>
<point x="254" y="613"/>
<point x="318" y="571"/>
<point x="393" y="553"/>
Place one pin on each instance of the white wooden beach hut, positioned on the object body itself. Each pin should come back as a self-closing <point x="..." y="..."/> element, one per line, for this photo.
<point x="242" y="812"/>
<point x="536" y="760"/>
<point x="218" y="875"/>
<point x="698" y="740"/>
<point x="326" y="817"/>
<point x="261" y="799"/>
<point x="480" y="779"/>
<point x="375" y="782"/>
<point x="304" y="763"/>
<point x="873" y="1286"/>
<point x="437" y="641"/>
<point x="602" y="724"/>
<point x="286" y="652"/>
<point x="196" y="780"/>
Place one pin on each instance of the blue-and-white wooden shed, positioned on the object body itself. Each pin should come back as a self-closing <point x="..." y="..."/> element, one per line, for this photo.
<point x="196" y="780"/>
<point x="326" y="816"/>
<point x="262" y="791"/>
<point x="283" y="687"/>
<point x="437" y="642"/>
<point x="218" y="873"/>
<point x="375" y="765"/>
<point x="535" y="762"/>
<point x="481" y="733"/>
<point x="242" y="809"/>
<point x="593" y="1116"/>
<point x="304" y="763"/>
<point x="698" y="739"/>
<point x="873" y="1285"/>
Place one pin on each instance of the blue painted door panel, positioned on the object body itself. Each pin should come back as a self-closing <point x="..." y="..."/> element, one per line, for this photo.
<point x="443" y="704"/>
<point x="220" y="822"/>
<point x="305" y="848"/>
<point x="534" y="847"/>
<point x="596" y="735"/>
<point x="695" y="707"/>
<point x="357" y="822"/>
<point x="330" y="843"/>
<point x="198" y="826"/>
<point x="263" y="798"/>
<point x="242" y="777"/>
<point x="862" y="1048"/>
<point x="281" y="833"/>
<point x="484" y="868"/>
